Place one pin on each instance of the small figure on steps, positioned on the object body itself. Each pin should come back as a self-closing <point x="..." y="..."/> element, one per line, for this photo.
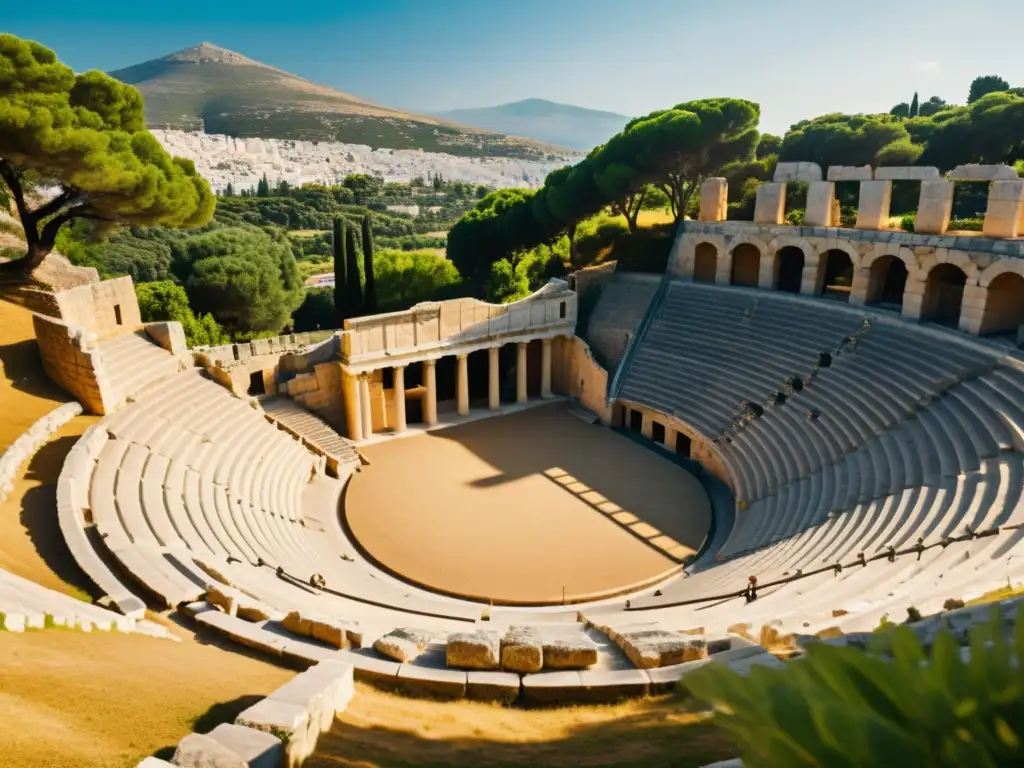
<point x="751" y="591"/>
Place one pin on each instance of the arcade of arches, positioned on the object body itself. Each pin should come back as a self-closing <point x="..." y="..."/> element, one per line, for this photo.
<point x="887" y="282"/>
<point x="944" y="295"/>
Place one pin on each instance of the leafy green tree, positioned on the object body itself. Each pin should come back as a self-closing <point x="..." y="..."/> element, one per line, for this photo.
<point x="838" y="139"/>
<point x="246" y="279"/>
<point x="930" y="107"/>
<point x="85" y="135"/>
<point x="984" y="85"/>
<point x="571" y="196"/>
<point x="263" y="187"/>
<point x="914" y="106"/>
<point x="229" y="190"/>
<point x="901" y="110"/>
<point x="353" y="287"/>
<point x="370" y="288"/>
<point x="404" y="278"/>
<point x="316" y="312"/>
<point x="166" y="300"/>
<point x="840" y="706"/>
<point x="769" y="144"/>
<point x="989" y="130"/>
<point x="340" y="285"/>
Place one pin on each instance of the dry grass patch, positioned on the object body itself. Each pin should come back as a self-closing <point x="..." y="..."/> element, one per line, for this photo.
<point x="653" y="218"/>
<point x="1003" y="593"/>
<point x="386" y="730"/>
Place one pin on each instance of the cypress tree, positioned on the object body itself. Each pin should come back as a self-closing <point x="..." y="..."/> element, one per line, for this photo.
<point x="914" y="107"/>
<point x="338" y="248"/>
<point x="354" y="291"/>
<point x="370" y="290"/>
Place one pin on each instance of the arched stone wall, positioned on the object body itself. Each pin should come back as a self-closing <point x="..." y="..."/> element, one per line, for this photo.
<point x="746" y="265"/>
<point x="944" y="294"/>
<point x="706" y="262"/>
<point x="1003" y="311"/>
<point x="770" y="266"/>
<point x="725" y="265"/>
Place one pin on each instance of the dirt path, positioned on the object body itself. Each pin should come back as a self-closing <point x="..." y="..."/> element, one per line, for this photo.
<point x="516" y="508"/>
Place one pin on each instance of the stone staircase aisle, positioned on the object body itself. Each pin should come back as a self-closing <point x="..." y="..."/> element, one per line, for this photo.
<point x="133" y="361"/>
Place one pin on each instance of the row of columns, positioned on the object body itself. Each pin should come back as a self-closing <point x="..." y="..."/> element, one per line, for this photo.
<point x="362" y="424"/>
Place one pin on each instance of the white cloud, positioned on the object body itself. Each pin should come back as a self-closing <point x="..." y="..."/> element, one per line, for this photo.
<point x="927" y="66"/>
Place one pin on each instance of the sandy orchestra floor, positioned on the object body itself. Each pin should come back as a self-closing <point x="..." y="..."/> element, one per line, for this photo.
<point x="515" y="509"/>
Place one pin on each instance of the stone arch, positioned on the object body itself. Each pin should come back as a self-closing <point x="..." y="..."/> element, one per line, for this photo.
<point x="746" y="265"/>
<point x="1004" y="303"/>
<point x="944" y="294"/>
<point x="887" y="280"/>
<point x="788" y="276"/>
<point x="681" y="259"/>
<point x="998" y="268"/>
<point x="900" y="252"/>
<point x="835" y="274"/>
<point x="956" y="258"/>
<point x="846" y="247"/>
<point x="705" y="262"/>
<point x="772" y="266"/>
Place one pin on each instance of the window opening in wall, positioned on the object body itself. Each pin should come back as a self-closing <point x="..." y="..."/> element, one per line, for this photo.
<point x="944" y="294"/>
<point x="887" y="282"/>
<point x="838" y="280"/>
<point x="746" y="265"/>
<point x="117" y="314"/>
<point x="790" y="267"/>
<point x="561" y="310"/>
<point x="256" y="386"/>
<point x="636" y="420"/>
<point x="682" y="444"/>
<point x="658" y="432"/>
<point x="705" y="263"/>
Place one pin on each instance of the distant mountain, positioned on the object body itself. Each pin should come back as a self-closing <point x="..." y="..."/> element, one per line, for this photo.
<point x="562" y="125"/>
<point x="220" y="91"/>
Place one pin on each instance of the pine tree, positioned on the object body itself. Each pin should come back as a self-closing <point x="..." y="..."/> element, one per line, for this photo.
<point x="263" y="187"/>
<point x="354" y="291"/>
<point x="229" y="191"/>
<point x="370" y="290"/>
<point x="338" y="248"/>
<point x="914" y="106"/>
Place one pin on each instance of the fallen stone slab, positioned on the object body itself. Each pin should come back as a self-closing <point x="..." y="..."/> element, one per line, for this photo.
<point x="344" y="673"/>
<point x="317" y="689"/>
<point x="431" y="683"/>
<point x="550" y="688"/>
<point x="607" y="686"/>
<point x="290" y="723"/>
<point x="473" y="650"/>
<point x="522" y="650"/>
<point x="334" y="632"/>
<point x="403" y="644"/>
<point x="256" y="748"/>
<point x="236" y="603"/>
<point x="577" y="652"/>
<point x="659" y="648"/>
<point x="500" y="687"/>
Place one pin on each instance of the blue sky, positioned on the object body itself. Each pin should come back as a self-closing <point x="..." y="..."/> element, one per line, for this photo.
<point x="797" y="58"/>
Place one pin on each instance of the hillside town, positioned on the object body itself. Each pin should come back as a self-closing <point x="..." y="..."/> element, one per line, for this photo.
<point x="227" y="160"/>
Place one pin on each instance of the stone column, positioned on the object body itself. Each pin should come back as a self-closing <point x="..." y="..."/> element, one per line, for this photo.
<point x="1003" y="213"/>
<point x="399" y="395"/>
<point x="972" y="309"/>
<point x="353" y="411"/>
<point x="364" y="405"/>
<point x="770" y="204"/>
<point x="493" y="379"/>
<point x="671" y="436"/>
<point x="430" y="401"/>
<point x="545" y="368"/>
<point x="647" y="426"/>
<point x="859" y="289"/>
<point x="714" y="199"/>
<point x="462" y="384"/>
<point x="873" y="204"/>
<point x="913" y="298"/>
<point x="521" y="372"/>
<point x="934" y="207"/>
<point x="820" y="196"/>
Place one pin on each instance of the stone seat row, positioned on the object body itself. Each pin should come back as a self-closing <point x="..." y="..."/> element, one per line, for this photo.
<point x="27" y="605"/>
<point x="133" y="361"/>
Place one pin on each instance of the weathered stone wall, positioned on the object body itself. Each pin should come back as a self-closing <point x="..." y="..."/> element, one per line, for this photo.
<point x="71" y="359"/>
<point x="321" y="392"/>
<point x="105" y="308"/>
<point x="30" y="441"/>
<point x="588" y="381"/>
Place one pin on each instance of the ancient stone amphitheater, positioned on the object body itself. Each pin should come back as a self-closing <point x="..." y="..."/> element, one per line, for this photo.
<point x="848" y="403"/>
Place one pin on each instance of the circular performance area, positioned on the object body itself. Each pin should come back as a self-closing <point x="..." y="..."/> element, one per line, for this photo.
<point x="537" y="507"/>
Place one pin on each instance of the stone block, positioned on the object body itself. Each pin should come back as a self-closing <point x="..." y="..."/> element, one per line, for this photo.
<point x="522" y="650"/>
<point x="199" y="751"/>
<point x="403" y="644"/>
<point x="607" y="686"/>
<point x="660" y="648"/>
<point x="576" y="652"/>
<point x="432" y="683"/>
<point x="381" y="673"/>
<point x="293" y="724"/>
<point x="850" y="173"/>
<point x="873" y="205"/>
<point x="797" y="171"/>
<point x="1004" y="210"/>
<point x="907" y="173"/>
<point x="473" y="650"/>
<point x="257" y="749"/>
<point x="492" y="686"/>
<point x="770" y="203"/>
<point x="975" y="172"/>
<point x="315" y="689"/>
<point x="934" y="207"/>
<point x="820" y="198"/>
<point x="549" y="688"/>
<point x="714" y="199"/>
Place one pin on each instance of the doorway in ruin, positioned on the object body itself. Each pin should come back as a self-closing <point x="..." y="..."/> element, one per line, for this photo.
<point x="887" y="282"/>
<point x="789" y="266"/>
<point x="257" y="386"/>
<point x="705" y="263"/>
<point x="746" y="265"/>
<point x="838" y="277"/>
<point x="1004" y="308"/>
<point x="944" y="295"/>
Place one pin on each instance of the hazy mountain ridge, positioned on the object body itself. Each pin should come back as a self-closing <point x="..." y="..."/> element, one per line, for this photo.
<point x="224" y="92"/>
<point x="563" y="125"/>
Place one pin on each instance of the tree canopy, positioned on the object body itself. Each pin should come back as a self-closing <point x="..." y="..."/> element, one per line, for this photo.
<point x="166" y="300"/>
<point x="984" y="85"/>
<point x="85" y="135"/>
<point x="838" y="139"/>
